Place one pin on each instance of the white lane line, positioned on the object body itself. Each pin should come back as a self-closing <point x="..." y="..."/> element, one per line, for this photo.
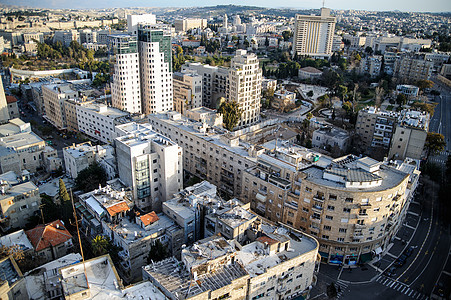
<point x="403" y="289"/>
<point x="408" y="226"/>
<point x="392" y="284"/>
<point x="410" y="293"/>
<point x="412" y="213"/>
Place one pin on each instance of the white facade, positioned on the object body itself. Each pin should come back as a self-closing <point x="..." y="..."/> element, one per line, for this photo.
<point x="245" y="84"/>
<point x="152" y="165"/>
<point x="125" y="88"/>
<point x="98" y="121"/>
<point x="134" y="20"/>
<point x="155" y="57"/>
<point x="313" y="35"/>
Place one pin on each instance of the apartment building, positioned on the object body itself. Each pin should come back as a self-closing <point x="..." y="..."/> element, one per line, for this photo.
<point x="152" y="165"/>
<point x="187" y="24"/>
<point x="187" y="91"/>
<point x="30" y="37"/>
<point x="244" y="86"/>
<point x="19" y="200"/>
<point x="371" y="65"/>
<point x="125" y="86"/>
<point x="193" y="208"/>
<point x="4" y="114"/>
<point x="375" y="127"/>
<point x="21" y="149"/>
<point x="13" y="285"/>
<point x="70" y="111"/>
<point x="134" y="20"/>
<point x="98" y="120"/>
<point x="331" y="137"/>
<point x="53" y="96"/>
<point x="313" y="35"/>
<point x="214" y="82"/>
<point x="267" y="262"/>
<point x="65" y="37"/>
<point x="410" y="135"/>
<point x="106" y="211"/>
<point x="353" y="206"/>
<point x="209" y="152"/>
<point x="81" y="156"/>
<point x="412" y="69"/>
<point x="155" y="56"/>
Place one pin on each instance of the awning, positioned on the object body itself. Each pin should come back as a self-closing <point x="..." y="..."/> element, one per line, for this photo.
<point x="378" y="250"/>
<point x="323" y="254"/>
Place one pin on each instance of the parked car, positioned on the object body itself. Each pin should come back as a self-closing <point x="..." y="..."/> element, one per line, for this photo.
<point x="400" y="261"/>
<point x="409" y="251"/>
<point x="390" y="272"/>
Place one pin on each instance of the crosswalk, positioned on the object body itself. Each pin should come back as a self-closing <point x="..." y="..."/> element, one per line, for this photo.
<point x="401" y="287"/>
<point x="341" y="287"/>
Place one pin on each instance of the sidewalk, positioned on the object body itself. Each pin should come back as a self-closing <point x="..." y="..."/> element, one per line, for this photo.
<point x="358" y="275"/>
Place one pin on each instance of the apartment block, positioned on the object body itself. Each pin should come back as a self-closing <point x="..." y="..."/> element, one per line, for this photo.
<point x="330" y="137"/>
<point x="106" y="211"/>
<point x="81" y="156"/>
<point x="125" y="86"/>
<point x="410" y="135"/>
<point x="187" y="24"/>
<point x="412" y="69"/>
<point x="21" y="149"/>
<point x="98" y="120"/>
<point x="155" y="56"/>
<point x="53" y="96"/>
<point x="19" y="200"/>
<point x="152" y="165"/>
<point x="66" y="37"/>
<point x="13" y="285"/>
<point x="134" y="20"/>
<point x="244" y="86"/>
<point x="214" y="82"/>
<point x="313" y="35"/>
<point x="187" y="91"/>
<point x="268" y="261"/>
<point x="371" y="65"/>
<point x="4" y="114"/>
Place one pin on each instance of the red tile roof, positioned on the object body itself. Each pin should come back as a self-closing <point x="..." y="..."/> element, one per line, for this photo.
<point x="117" y="208"/>
<point x="51" y="234"/>
<point x="149" y="218"/>
<point x="11" y="99"/>
<point x="267" y="240"/>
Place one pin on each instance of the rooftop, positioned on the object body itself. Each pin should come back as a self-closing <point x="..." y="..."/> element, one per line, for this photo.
<point x="17" y="190"/>
<point x="9" y="144"/>
<point x="49" y="235"/>
<point x="51" y="188"/>
<point x="310" y="70"/>
<point x="236" y="216"/>
<point x="18" y="238"/>
<point x="106" y="111"/>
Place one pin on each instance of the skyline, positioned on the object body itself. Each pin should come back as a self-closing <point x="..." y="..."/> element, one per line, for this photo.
<point x="385" y="5"/>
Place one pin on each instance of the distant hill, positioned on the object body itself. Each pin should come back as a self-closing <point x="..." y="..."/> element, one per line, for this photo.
<point x="210" y="11"/>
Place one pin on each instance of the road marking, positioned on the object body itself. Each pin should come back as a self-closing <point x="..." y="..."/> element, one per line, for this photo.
<point x="392" y="255"/>
<point x="403" y="288"/>
<point x="393" y="283"/>
<point x="412" y="213"/>
<point x="410" y="293"/>
<point x="408" y="226"/>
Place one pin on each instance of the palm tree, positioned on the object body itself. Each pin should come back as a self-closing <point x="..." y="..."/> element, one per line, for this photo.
<point x="100" y="245"/>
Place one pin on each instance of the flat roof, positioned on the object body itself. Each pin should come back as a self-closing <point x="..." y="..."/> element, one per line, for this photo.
<point x="18" y="238"/>
<point x="18" y="189"/>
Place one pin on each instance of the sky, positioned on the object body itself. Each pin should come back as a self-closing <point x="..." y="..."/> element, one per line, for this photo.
<point x="380" y="5"/>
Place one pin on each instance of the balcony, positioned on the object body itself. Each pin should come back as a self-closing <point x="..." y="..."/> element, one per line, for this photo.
<point x="360" y="226"/>
<point x="317" y="208"/>
<point x="123" y="255"/>
<point x="316" y="220"/>
<point x="318" y="198"/>
<point x="362" y="216"/>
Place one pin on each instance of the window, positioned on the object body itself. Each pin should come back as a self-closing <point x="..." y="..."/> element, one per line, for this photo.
<point x="346" y="210"/>
<point x="340" y="239"/>
<point x="329" y="217"/>
<point x="342" y="230"/>
<point x="327" y="227"/>
<point x="326" y="237"/>
<point x="349" y="200"/>
<point x="330" y="207"/>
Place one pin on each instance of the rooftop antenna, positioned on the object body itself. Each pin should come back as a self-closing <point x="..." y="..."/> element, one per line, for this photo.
<point x="323" y="3"/>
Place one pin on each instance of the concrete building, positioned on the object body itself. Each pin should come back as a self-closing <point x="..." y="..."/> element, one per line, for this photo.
<point x="283" y="99"/>
<point x="12" y="285"/>
<point x="375" y="127"/>
<point x="21" y="149"/>
<point x="36" y="37"/>
<point x="13" y="109"/>
<point x="53" y="96"/>
<point x="87" y="36"/>
<point x="81" y="156"/>
<point x="313" y="35"/>
<point x="155" y="59"/>
<point x="214" y="82"/>
<point x="134" y="20"/>
<point x="353" y="206"/>
<point x="187" y="91"/>
<point x="98" y="120"/>
<point x="410" y="69"/>
<point x="187" y="24"/>
<point x="50" y="241"/>
<point x="19" y="200"/>
<point x="331" y="137"/>
<point x="4" y="114"/>
<point x="191" y="208"/>
<point x="268" y="262"/>
<point x="410" y="91"/>
<point x="66" y="37"/>
<point x="152" y="165"/>
<point x="105" y="211"/>
<point x="309" y="73"/>
<point x="19" y="240"/>
<point x="269" y="84"/>
<point x="244" y="86"/>
<point x="410" y="135"/>
<point x="205" y="115"/>
<point x="371" y="65"/>
<point x="125" y="86"/>
<point x="210" y="152"/>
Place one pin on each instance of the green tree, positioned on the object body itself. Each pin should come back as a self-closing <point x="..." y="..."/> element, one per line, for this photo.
<point x="64" y="195"/>
<point x="100" y="245"/>
<point x="424" y="84"/>
<point x="426" y="107"/>
<point x="310" y="94"/>
<point x="401" y="99"/>
<point x="342" y="92"/>
<point x="91" y="177"/>
<point x="435" y="142"/>
<point x="65" y="203"/>
<point x="157" y="252"/>
<point x="231" y="114"/>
